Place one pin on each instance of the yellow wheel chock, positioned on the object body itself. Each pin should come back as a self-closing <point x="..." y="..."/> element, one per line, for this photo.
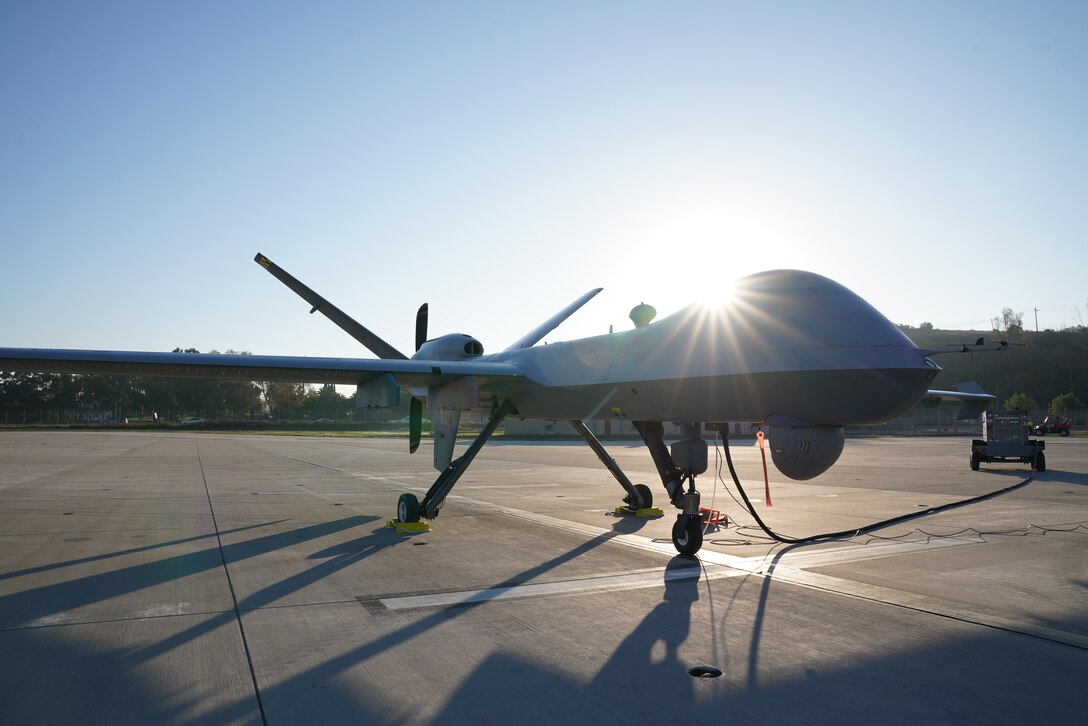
<point x="644" y="512"/>
<point x="408" y="527"/>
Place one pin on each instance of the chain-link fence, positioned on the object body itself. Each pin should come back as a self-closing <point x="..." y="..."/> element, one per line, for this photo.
<point x="922" y="420"/>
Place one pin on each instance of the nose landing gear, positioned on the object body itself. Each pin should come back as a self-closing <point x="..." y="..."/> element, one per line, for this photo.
<point x="687" y="534"/>
<point x="687" y="531"/>
<point x="680" y="463"/>
<point x="686" y="460"/>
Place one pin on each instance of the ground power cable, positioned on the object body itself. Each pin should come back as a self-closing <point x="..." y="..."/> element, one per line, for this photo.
<point x="850" y="533"/>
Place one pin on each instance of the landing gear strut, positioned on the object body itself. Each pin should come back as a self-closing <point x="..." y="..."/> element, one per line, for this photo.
<point x="410" y="509"/>
<point x="687" y="531"/>
<point x="683" y="463"/>
<point x="686" y="460"/>
<point x="638" y="495"/>
<point x="677" y="467"/>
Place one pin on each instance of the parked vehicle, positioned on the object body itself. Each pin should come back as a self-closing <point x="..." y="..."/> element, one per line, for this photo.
<point x="1005" y="438"/>
<point x="1053" y="425"/>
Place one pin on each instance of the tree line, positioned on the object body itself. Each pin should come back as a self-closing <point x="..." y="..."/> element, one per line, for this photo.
<point x="1045" y="370"/>
<point x="143" y="397"/>
<point x="1040" y="370"/>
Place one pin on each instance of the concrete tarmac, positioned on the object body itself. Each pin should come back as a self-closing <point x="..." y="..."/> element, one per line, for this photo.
<point x="200" y="578"/>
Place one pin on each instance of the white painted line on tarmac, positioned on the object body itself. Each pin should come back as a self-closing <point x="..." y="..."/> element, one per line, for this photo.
<point x="606" y="583"/>
<point x="754" y="565"/>
<point x="787" y="568"/>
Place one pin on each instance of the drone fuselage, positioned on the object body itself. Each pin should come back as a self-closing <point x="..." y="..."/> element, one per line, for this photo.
<point x="789" y="343"/>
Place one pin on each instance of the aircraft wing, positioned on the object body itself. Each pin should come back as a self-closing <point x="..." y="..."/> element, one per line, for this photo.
<point x="346" y="371"/>
<point x="974" y="402"/>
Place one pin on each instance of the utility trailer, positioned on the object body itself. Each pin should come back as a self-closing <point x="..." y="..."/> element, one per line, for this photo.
<point x="1005" y="438"/>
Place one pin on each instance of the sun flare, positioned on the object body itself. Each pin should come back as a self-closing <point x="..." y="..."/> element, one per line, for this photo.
<point x="722" y="248"/>
<point x="697" y="254"/>
<point x="716" y="292"/>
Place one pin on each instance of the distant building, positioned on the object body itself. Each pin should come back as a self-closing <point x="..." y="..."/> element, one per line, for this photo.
<point x="606" y="427"/>
<point x="78" y="415"/>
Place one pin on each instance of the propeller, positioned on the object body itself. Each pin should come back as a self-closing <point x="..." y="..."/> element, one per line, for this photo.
<point x="415" y="410"/>
<point x="415" y="424"/>
<point x="421" y="325"/>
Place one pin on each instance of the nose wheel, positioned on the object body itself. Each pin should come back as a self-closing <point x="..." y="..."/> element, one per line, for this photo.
<point x="687" y="534"/>
<point x="687" y="531"/>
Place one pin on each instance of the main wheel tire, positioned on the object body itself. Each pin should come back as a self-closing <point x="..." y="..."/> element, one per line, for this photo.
<point x="1064" y="432"/>
<point x="408" y="508"/>
<point x="646" y="495"/>
<point x="1040" y="462"/>
<point x="974" y="461"/>
<point x="687" y="534"/>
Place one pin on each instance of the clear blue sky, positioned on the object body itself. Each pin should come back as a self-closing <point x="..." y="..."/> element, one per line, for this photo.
<point x="498" y="159"/>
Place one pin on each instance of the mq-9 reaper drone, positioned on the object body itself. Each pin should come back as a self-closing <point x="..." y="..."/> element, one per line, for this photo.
<point x="791" y="350"/>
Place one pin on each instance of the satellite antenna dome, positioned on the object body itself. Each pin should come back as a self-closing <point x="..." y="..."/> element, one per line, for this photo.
<point x="642" y="314"/>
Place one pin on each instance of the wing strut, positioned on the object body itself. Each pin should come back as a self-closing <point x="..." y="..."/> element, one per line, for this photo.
<point x="375" y="344"/>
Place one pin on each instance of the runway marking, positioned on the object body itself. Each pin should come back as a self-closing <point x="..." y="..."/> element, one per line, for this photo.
<point x="605" y="583"/>
<point x="748" y="564"/>
<point x="159" y="611"/>
<point x="783" y="569"/>
<point x="44" y="621"/>
<point x="927" y="604"/>
<point x="322" y="492"/>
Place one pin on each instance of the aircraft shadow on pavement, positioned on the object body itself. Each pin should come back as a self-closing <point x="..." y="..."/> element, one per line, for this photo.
<point x="53" y="679"/>
<point x="644" y="666"/>
<point x="338" y="558"/>
<point x="300" y="686"/>
<point x="132" y="550"/>
<point x="25" y="607"/>
<point x="93" y="674"/>
<point x="979" y="676"/>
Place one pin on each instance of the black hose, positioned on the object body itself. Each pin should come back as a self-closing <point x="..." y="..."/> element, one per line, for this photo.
<point x="861" y="530"/>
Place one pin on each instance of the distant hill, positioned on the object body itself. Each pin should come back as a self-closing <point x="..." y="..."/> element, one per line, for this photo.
<point x="1050" y="364"/>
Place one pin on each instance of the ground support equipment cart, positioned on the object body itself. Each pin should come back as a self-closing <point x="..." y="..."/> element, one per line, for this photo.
<point x="1005" y="438"/>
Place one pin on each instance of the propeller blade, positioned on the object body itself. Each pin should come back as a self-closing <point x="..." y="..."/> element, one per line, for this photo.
<point x="421" y="325"/>
<point x="415" y="424"/>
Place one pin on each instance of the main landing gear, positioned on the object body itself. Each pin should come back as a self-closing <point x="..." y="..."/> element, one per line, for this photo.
<point x="677" y="467"/>
<point x="410" y="509"/>
<point x="680" y="466"/>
